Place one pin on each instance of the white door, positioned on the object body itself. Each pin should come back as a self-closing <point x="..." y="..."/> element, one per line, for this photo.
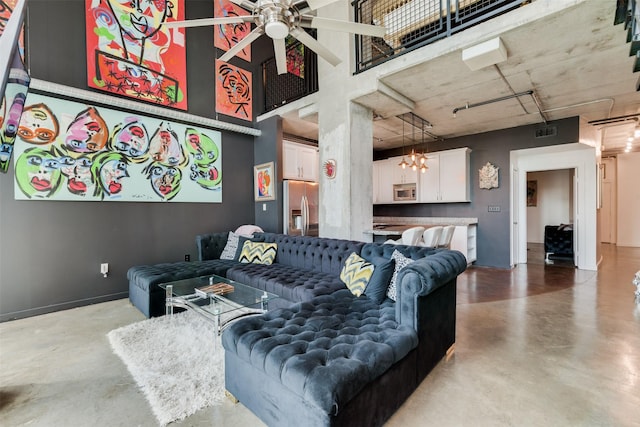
<point x="606" y="214"/>
<point x="608" y="211"/>
<point x="576" y="216"/>
<point x="515" y="215"/>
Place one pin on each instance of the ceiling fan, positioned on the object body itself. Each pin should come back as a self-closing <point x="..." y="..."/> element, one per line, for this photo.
<point x="280" y="18"/>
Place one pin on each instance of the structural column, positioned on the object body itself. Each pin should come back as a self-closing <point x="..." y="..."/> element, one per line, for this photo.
<point x="345" y="134"/>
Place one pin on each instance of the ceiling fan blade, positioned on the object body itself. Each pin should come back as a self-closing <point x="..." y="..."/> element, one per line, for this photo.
<point x="204" y="22"/>
<point x="257" y="32"/>
<point x="281" y="55"/>
<point x="344" y="26"/>
<point x="315" y="4"/>
<point x="315" y="46"/>
<point x="244" y="4"/>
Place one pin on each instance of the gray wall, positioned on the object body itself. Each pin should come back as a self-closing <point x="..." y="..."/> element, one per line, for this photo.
<point x="495" y="147"/>
<point x="268" y="148"/>
<point x="50" y="251"/>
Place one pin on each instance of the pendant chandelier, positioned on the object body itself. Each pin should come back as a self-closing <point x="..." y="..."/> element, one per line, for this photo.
<point x="418" y="158"/>
<point x="414" y="165"/>
<point x="423" y="157"/>
<point x="403" y="164"/>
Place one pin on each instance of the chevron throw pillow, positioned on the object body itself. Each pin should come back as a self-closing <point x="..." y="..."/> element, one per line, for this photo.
<point x="258" y="252"/>
<point x="356" y="273"/>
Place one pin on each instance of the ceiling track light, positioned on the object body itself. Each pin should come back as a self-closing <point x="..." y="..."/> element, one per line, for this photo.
<point x="633" y="117"/>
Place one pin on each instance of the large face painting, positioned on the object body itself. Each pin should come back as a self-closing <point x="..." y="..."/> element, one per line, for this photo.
<point x="234" y="96"/>
<point x="131" y="53"/>
<point x="227" y="36"/>
<point x="68" y="150"/>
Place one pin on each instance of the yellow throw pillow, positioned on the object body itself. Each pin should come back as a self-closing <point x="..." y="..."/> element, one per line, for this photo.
<point x="356" y="274"/>
<point x="258" y="252"/>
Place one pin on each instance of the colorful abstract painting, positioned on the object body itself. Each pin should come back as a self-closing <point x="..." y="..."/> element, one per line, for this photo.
<point x="68" y="150"/>
<point x="227" y="36"/>
<point x="234" y="95"/>
<point x="10" y="110"/>
<point x="6" y="8"/>
<point x="295" y="57"/>
<point x="131" y="53"/>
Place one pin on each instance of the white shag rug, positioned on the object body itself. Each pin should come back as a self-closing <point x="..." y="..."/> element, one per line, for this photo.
<point x="177" y="361"/>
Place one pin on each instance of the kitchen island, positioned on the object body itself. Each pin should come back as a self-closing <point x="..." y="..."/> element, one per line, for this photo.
<point x="464" y="237"/>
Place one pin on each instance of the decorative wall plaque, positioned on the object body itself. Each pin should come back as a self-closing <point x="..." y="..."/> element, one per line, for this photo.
<point x="330" y="167"/>
<point x="489" y="176"/>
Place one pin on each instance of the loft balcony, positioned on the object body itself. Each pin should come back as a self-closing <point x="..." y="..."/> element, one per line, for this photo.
<point x="411" y="24"/>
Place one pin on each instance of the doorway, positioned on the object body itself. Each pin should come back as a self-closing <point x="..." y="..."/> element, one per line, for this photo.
<point x="608" y="211"/>
<point x="550" y="217"/>
<point x="582" y="159"/>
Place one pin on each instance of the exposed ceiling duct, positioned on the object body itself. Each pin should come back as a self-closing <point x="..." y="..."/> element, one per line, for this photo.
<point x="503" y="98"/>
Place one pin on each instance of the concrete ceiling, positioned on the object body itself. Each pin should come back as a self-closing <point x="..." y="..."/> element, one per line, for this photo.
<point x="576" y="63"/>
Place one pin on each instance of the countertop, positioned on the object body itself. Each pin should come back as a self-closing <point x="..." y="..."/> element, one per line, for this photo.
<point x="394" y="226"/>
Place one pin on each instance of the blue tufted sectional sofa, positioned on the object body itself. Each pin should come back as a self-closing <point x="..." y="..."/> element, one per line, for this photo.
<point x="325" y="357"/>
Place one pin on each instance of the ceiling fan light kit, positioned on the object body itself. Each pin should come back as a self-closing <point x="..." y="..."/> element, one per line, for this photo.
<point x="281" y="18"/>
<point x="276" y="30"/>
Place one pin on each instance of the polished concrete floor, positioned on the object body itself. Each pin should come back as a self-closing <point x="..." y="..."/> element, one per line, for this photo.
<point x="538" y="345"/>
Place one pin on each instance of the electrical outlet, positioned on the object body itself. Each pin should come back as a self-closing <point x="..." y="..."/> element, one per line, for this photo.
<point x="264" y="207"/>
<point x="104" y="268"/>
<point x="494" y="208"/>
<point x="187" y="257"/>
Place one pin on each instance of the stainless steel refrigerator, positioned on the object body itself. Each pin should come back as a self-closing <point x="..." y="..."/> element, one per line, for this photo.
<point x="300" y="208"/>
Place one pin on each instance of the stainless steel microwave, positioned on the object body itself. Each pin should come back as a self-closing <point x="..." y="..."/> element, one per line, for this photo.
<point x="404" y="192"/>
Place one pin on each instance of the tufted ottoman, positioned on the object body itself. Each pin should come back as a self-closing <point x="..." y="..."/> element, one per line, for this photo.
<point x="305" y="365"/>
<point x="149" y="298"/>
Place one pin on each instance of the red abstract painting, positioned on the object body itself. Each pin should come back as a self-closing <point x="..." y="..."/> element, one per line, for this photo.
<point x="234" y="93"/>
<point x="6" y="8"/>
<point x="131" y="53"/>
<point x="227" y="36"/>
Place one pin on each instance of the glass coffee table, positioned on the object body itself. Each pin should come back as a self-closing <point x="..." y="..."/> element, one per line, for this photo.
<point x="213" y="296"/>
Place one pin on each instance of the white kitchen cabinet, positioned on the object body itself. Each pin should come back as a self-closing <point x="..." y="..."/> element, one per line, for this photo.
<point x="447" y="178"/>
<point x="403" y="176"/>
<point x="300" y="161"/>
<point x="429" y="183"/>
<point x="382" y="184"/>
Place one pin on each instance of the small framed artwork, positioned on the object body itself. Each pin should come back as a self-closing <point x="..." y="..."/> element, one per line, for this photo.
<point x="532" y="193"/>
<point x="264" y="182"/>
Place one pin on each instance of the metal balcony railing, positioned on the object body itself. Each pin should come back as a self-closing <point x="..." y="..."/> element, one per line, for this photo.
<point x="300" y="80"/>
<point x="415" y="23"/>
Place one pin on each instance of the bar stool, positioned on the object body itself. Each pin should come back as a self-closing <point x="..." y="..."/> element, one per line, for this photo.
<point x="446" y="236"/>
<point x="431" y="236"/>
<point x="410" y="236"/>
